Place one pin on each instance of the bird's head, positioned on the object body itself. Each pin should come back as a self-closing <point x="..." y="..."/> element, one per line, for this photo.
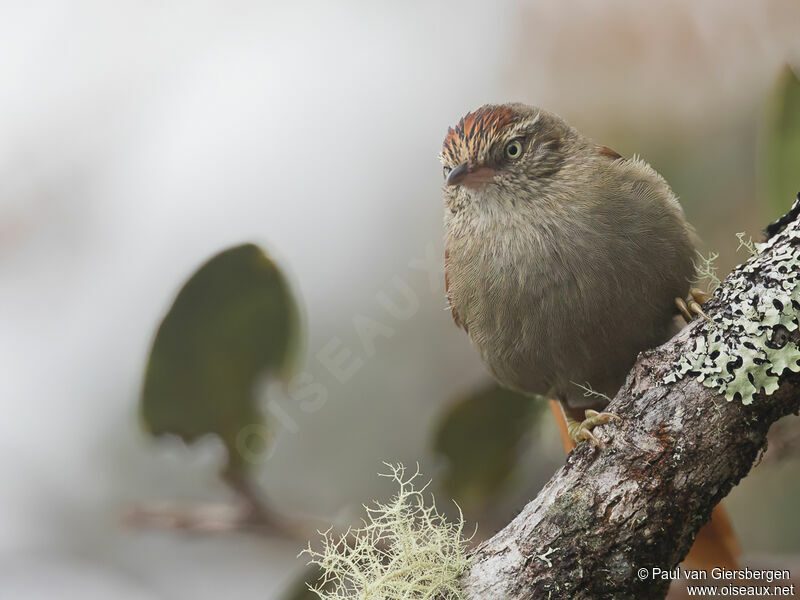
<point x="502" y="151"/>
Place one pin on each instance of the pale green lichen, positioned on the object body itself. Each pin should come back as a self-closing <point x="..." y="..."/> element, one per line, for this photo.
<point x="747" y="244"/>
<point x="405" y="549"/>
<point x="706" y="270"/>
<point x="545" y="556"/>
<point x="590" y="392"/>
<point x="746" y="347"/>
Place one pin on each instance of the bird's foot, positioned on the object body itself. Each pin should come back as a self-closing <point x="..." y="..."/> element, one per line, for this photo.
<point x="692" y="306"/>
<point x="582" y="430"/>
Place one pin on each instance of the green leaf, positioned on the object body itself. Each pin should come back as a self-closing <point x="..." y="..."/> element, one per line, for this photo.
<point x="480" y="436"/>
<point x="232" y="322"/>
<point x="782" y="144"/>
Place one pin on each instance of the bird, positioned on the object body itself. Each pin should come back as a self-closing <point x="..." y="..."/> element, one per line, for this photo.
<point x="563" y="259"/>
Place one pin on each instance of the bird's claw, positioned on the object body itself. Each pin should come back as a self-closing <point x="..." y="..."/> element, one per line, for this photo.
<point x="692" y="306"/>
<point x="579" y="431"/>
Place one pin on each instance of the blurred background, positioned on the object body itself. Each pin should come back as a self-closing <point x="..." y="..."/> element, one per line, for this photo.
<point x="138" y="139"/>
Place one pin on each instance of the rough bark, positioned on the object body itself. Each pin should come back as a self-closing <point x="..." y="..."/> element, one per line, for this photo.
<point x="639" y="501"/>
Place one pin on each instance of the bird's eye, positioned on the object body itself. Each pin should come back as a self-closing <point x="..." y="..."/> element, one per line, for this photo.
<point x="446" y="171"/>
<point x="513" y="149"/>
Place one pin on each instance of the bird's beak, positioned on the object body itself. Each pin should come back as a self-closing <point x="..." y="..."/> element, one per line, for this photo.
<point x="470" y="175"/>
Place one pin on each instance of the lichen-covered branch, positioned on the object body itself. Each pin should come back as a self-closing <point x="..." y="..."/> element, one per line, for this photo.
<point x="678" y="450"/>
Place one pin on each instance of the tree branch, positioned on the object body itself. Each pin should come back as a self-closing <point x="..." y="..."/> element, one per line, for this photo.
<point x="639" y="501"/>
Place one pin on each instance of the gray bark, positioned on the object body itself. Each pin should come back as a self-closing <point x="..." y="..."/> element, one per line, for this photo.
<point x="639" y="501"/>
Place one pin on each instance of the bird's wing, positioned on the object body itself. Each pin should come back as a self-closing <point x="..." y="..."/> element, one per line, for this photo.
<point x="447" y="292"/>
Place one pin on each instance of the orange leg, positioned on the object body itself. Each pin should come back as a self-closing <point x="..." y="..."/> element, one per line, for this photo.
<point x="715" y="544"/>
<point x="561" y="422"/>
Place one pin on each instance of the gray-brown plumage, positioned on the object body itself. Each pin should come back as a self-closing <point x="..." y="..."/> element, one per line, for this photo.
<point x="563" y="259"/>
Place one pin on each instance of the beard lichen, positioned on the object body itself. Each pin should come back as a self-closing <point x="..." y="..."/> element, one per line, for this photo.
<point x="705" y="269"/>
<point x="746" y="347"/>
<point x="405" y="549"/>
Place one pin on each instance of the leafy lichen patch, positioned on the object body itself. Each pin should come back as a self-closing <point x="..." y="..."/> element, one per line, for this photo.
<point x="744" y="349"/>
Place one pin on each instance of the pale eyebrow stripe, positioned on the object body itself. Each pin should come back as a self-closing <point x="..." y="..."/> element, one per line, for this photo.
<point x="524" y="126"/>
